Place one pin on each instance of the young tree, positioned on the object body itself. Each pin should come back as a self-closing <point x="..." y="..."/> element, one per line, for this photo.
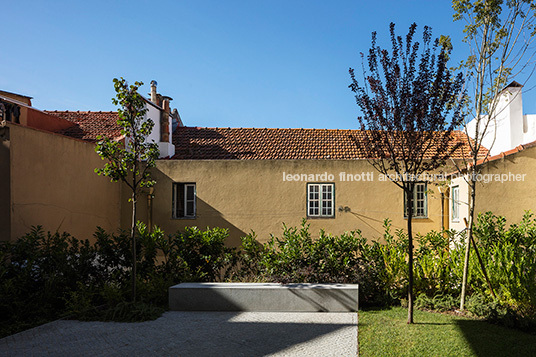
<point x="130" y="161"/>
<point x="410" y="104"/>
<point x="500" y="35"/>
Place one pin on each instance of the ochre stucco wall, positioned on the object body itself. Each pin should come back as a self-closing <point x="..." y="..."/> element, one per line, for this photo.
<point x="245" y="195"/>
<point x="510" y="198"/>
<point x="5" y="190"/>
<point x="39" y="120"/>
<point x="53" y="185"/>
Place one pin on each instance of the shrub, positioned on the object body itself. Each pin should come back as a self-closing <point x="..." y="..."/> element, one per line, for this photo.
<point x="203" y="254"/>
<point x="509" y="256"/>
<point x="297" y="258"/>
<point x="438" y="302"/>
<point x="45" y="276"/>
<point x="38" y="274"/>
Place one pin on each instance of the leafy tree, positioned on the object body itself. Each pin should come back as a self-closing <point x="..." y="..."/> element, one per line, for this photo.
<point x="500" y="35"/>
<point x="410" y="105"/>
<point x="129" y="161"/>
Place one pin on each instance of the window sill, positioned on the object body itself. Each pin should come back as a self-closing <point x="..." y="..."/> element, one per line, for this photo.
<point x="320" y="217"/>
<point x="184" y="218"/>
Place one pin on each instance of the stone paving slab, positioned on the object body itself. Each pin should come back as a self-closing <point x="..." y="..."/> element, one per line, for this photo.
<point x="189" y="333"/>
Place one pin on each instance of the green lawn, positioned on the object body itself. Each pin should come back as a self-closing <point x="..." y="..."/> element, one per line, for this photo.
<point x="385" y="333"/>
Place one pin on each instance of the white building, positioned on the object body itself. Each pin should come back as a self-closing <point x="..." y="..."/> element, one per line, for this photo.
<point x="508" y="129"/>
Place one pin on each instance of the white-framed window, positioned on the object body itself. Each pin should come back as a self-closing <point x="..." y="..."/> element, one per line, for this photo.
<point x="321" y="200"/>
<point x="455" y="201"/>
<point x="184" y="200"/>
<point x="420" y="201"/>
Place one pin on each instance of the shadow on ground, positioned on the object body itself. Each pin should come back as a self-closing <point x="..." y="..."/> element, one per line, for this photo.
<point x="492" y="340"/>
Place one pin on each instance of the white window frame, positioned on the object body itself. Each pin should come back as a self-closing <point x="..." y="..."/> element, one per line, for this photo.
<point x="419" y="203"/>
<point x="185" y="201"/>
<point x="326" y="204"/>
<point x="455" y="206"/>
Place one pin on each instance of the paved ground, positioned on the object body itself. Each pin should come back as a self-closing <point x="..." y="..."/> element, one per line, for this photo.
<point x="194" y="334"/>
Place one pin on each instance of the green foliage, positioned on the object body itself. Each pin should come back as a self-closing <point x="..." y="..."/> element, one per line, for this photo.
<point x="124" y="159"/>
<point x="393" y="255"/>
<point x="46" y="276"/>
<point x="479" y="305"/>
<point x="298" y="258"/>
<point x="130" y="161"/>
<point x="436" y="265"/>
<point x="38" y="272"/>
<point x="510" y="258"/>
<point x="381" y="267"/>
<point x="438" y="302"/>
<point x="204" y="254"/>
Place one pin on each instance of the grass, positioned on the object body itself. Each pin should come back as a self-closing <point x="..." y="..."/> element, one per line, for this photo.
<point x="385" y="333"/>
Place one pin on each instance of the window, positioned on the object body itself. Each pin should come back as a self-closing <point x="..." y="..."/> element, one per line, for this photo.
<point x="455" y="203"/>
<point x="184" y="196"/>
<point x="420" y="201"/>
<point x="320" y="200"/>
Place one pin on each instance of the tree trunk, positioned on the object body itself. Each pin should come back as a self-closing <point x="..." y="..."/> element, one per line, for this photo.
<point x="409" y="200"/>
<point x="472" y="187"/>
<point x="133" y="241"/>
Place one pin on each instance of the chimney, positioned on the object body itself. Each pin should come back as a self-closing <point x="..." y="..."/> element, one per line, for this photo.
<point x="165" y="119"/>
<point x="509" y="118"/>
<point x="165" y="104"/>
<point x="153" y="92"/>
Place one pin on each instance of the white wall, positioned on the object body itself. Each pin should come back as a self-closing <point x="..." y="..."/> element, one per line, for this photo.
<point x="459" y="224"/>
<point x="529" y="128"/>
<point x="508" y="127"/>
<point x="167" y="149"/>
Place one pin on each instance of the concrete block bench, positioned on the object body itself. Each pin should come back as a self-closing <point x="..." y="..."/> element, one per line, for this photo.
<point x="263" y="297"/>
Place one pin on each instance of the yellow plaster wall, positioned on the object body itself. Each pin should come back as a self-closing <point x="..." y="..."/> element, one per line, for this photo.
<point x="245" y="195"/>
<point x="509" y="198"/>
<point x="53" y="185"/>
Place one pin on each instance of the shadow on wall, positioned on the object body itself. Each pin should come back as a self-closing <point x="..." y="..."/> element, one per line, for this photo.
<point x="208" y="216"/>
<point x="162" y="207"/>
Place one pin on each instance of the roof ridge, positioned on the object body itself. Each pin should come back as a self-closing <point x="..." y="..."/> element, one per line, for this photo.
<point x="252" y="128"/>
<point x="78" y="111"/>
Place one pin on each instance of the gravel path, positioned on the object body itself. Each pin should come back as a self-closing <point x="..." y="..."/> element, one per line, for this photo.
<point x="194" y="334"/>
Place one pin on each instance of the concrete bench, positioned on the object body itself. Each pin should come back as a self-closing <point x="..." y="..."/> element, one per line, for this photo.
<point x="263" y="297"/>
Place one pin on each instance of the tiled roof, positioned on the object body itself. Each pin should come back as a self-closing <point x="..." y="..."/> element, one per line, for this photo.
<point x="507" y="153"/>
<point x="193" y="143"/>
<point x="89" y="124"/>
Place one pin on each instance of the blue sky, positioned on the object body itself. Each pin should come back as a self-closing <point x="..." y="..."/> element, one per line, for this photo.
<point x="277" y="63"/>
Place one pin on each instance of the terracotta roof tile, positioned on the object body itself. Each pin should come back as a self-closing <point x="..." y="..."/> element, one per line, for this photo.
<point x="504" y="154"/>
<point x="192" y="143"/>
<point x="89" y="124"/>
